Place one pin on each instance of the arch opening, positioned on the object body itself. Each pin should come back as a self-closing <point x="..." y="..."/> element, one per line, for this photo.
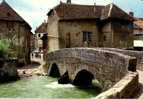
<point x="54" y="72"/>
<point x="83" y="78"/>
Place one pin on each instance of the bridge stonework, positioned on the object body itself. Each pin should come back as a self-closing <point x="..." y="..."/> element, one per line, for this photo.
<point x="106" y="66"/>
<point x="137" y="54"/>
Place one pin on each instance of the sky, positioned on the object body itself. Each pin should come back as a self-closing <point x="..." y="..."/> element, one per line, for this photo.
<point x="35" y="11"/>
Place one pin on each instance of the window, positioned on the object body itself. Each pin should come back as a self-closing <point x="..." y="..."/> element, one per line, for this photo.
<point x="87" y="36"/>
<point x="39" y="35"/>
<point x="130" y="26"/>
<point x="104" y="38"/>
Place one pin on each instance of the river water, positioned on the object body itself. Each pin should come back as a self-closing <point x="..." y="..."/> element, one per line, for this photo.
<point x="43" y="87"/>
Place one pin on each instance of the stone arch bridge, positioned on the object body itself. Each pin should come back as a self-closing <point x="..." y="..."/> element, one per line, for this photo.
<point x="85" y="64"/>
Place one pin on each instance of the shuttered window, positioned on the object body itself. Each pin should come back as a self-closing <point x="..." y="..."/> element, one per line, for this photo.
<point x="87" y="36"/>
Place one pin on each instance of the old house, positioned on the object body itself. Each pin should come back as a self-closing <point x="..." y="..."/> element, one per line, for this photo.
<point x="41" y="37"/>
<point x="138" y="32"/>
<point x="74" y="25"/>
<point x="17" y="31"/>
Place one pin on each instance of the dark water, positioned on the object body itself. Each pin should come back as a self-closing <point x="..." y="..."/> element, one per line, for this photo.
<point x="43" y="87"/>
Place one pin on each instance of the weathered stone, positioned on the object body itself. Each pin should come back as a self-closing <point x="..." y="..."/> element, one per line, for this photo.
<point x="123" y="89"/>
<point x="103" y="64"/>
<point x="8" y="72"/>
<point x="137" y="54"/>
<point x="64" y="79"/>
<point x="16" y="30"/>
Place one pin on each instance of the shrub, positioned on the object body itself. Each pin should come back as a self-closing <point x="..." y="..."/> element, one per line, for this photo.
<point x="4" y="47"/>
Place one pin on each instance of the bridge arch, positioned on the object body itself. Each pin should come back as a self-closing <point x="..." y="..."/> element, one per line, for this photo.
<point x="83" y="78"/>
<point x="54" y="70"/>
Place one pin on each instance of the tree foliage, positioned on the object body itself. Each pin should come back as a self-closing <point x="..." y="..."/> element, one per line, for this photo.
<point x="4" y="46"/>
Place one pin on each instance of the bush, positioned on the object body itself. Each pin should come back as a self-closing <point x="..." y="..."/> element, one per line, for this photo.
<point x="4" y="47"/>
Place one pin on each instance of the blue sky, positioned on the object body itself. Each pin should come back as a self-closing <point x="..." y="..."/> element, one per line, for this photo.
<point x="34" y="11"/>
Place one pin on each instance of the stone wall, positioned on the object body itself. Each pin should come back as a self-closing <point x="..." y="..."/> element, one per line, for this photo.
<point x="123" y="89"/>
<point x="137" y="54"/>
<point x="18" y="33"/>
<point x="71" y="33"/>
<point x="106" y="66"/>
<point x="53" y="33"/>
<point x="8" y="71"/>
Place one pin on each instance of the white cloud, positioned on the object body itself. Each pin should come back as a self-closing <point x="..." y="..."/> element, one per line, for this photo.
<point x="41" y="4"/>
<point x="33" y="18"/>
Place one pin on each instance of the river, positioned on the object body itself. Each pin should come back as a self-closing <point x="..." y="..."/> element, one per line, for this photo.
<point x="43" y="87"/>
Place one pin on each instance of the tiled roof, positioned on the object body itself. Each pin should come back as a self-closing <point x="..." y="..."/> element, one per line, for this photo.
<point x="113" y="11"/>
<point x="42" y="28"/>
<point x="8" y="14"/>
<point x="73" y="11"/>
<point x="138" y="23"/>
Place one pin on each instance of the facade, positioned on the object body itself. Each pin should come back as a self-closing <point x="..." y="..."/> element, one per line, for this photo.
<point x="15" y="29"/>
<point x="138" y="32"/>
<point x="40" y="37"/>
<point x="72" y="25"/>
<point x="138" y="29"/>
<point x="33" y="39"/>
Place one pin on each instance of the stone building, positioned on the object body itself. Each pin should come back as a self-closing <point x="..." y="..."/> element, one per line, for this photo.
<point x="138" y="29"/>
<point x="17" y="31"/>
<point x="138" y="32"/>
<point x="41" y="36"/>
<point x="73" y="25"/>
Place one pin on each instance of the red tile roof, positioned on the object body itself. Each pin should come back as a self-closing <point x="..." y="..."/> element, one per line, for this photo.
<point x="139" y="23"/>
<point x="8" y="14"/>
<point x="42" y="28"/>
<point x="74" y="11"/>
<point x="113" y="11"/>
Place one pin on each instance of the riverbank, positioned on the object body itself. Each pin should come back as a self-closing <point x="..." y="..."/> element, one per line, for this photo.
<point x="30" y="70"/>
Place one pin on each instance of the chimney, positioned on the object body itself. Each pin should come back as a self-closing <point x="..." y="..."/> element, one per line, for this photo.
<point x="61" y="2"/>
<point x="131" y="14"/>
<point x="44" y="21"/>
<point x="68" y="1"/>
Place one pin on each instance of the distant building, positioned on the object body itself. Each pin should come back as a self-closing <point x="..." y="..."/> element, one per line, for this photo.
<point x="138" y="32"/>
<point x="73" y="25"/>
<point x="41" y="37"/>
<point x="15" y="29"/>
<point x="33" y="39"/>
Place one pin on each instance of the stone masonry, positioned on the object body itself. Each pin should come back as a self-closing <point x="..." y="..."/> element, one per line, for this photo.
<point x="106" y="66"/>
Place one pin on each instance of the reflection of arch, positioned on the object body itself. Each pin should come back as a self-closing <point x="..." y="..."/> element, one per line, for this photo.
<point x="83" y="78"/>
<point x="54" y="71"/>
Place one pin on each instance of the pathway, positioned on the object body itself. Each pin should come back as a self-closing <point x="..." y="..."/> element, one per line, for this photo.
<point x="32" y="69"/>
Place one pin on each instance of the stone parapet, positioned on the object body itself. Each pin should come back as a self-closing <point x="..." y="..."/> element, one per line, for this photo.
<point x="123" y="89"/>
<point x="137" y="54"/>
